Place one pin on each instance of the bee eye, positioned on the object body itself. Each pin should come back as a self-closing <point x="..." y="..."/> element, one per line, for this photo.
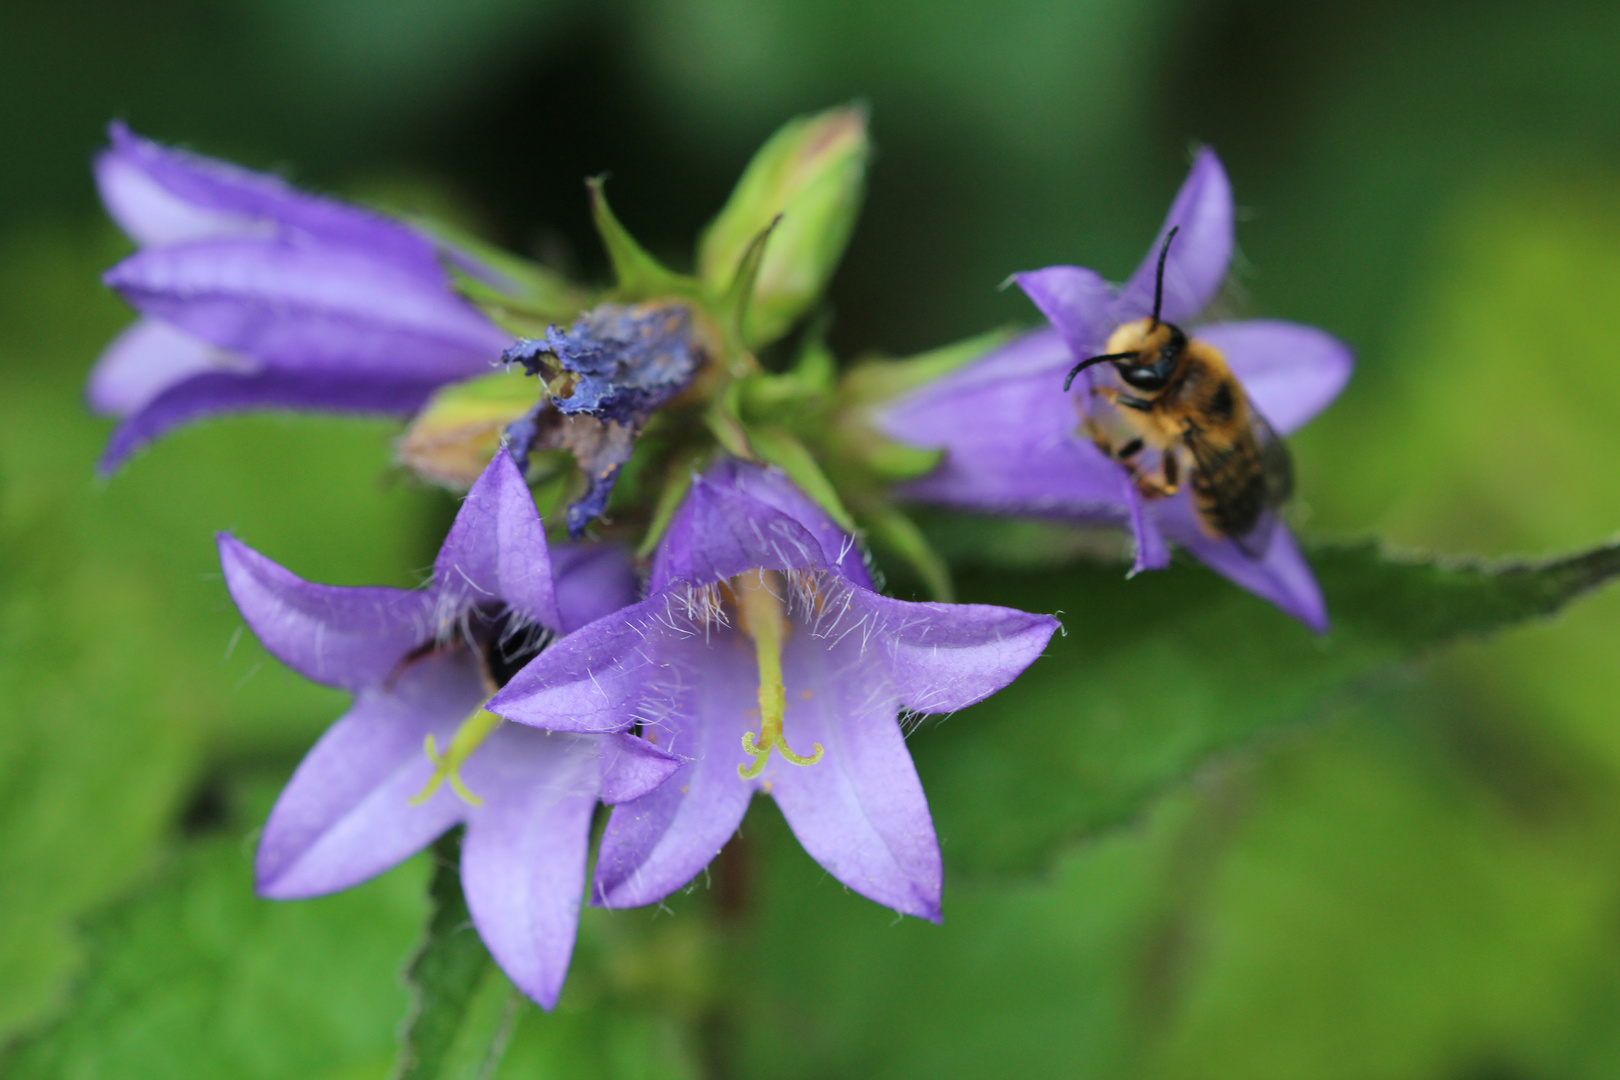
<point x="1142" y="378"/>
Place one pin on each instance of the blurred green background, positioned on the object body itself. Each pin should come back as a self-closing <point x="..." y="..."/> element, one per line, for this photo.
<point x="1424" y="883"/>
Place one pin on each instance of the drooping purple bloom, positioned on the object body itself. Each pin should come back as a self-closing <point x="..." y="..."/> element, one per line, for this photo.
<point x="417" y="753"/>
<point x="765" y="661"/>
<point x="256" y="296"/>
<point x="1014" y="441"/>
<point x="627" y="360"/>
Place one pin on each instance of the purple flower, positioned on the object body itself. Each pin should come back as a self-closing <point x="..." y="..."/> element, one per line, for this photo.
<point x="421" y="665"/>
<point x="258" y="296"/>
<point x="764" y="660"/>
<point x="1015" y="443"/>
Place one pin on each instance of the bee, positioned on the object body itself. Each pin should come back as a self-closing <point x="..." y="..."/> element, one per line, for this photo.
<point x="1182" y="414"/>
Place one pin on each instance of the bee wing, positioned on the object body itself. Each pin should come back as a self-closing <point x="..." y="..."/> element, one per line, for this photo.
<point x="1238" y="482"/>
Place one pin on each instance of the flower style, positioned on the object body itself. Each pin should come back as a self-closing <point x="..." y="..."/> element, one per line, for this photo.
<point x="256" y="296"/>
<point x="1015" y="442"/>
<point x="764" y="660"/>
<point x="421" y="664"/>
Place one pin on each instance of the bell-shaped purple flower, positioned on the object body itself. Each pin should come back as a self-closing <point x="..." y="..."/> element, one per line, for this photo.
<point x="417" y="753"/>
<point x="1015" y="443"/>
<point x="256" y="296"/>
<point x="766" y="662"/>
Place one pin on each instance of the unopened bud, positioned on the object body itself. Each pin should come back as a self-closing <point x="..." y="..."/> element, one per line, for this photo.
<point x="458" y="431"/>
<point x="812" y="172"/>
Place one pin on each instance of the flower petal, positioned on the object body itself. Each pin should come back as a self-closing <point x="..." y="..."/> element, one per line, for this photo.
<point x="940" y="657"/>
<point x="630" y="767"/>
<point x="593" y="580"/>
<point x="523" y="860"/>
<point x="222" y="393"/>
<point x="1281" y="575"/>
<point x="657" y="843"/>
<point x="859" y="811"/>
<point x="1199" y="256"/>
<point x="312" y="307"/>
<point x="496" y="549"/>
<point x="1290" y="372"/>
<point x="771" y="486"/>
<point x="150" y="213"/>
<point x="159" y="195"/>
<point x="720" y="532"/>
<point x="1077" y="301"/>
<point x="1010" y="435"/>
<point x="595" y="679"/>
<point x="352" y="638"/>
<point x="346" y="816"/>
<point x="1152" y="553"/>
<point x="148" y="358"/>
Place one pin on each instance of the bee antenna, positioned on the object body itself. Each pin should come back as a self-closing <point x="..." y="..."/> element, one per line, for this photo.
<point x="1158" y="278"/>
<point x="1082" y="365"/>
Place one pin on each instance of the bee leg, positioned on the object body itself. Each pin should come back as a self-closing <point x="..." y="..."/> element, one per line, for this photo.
<point x="1129" y="450"/>
<point x="1119" y="400"/>
<point x="1149" y="487"/>
<point x="1098" y="437"/>
<point x="1170" y="467"/>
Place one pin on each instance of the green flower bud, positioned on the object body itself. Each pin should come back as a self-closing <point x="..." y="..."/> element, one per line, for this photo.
<point x="458" y="431"/>
<point x="812" y="172"/>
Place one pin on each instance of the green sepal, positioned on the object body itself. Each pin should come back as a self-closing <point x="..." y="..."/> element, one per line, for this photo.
<point x="678" y="481"/>
<point x="776" y="446"/>
<point x="638" y="275"/>
<point x="890" y="528"/>
<point x="456" y="433"/>
<point x="724" y="420"/>
<point x="894" y="461"/>
<point x="732" y="308"/>
<point x="530" y="298"/>
<point x="816" y="368"/>
<point x="875" y="381"/>
<point x="811" y="173"/>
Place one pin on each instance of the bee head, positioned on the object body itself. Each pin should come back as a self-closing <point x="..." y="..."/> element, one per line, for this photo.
<point x="1146" y="352"/>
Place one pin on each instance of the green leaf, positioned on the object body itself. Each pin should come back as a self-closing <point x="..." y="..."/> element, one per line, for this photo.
<point x="124" y="667"/>
<point x="444" y="977"/>
<point x="195" y="977"/>
<point x="1157" y="674"/>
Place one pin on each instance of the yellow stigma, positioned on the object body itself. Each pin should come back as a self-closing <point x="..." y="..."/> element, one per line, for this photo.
<point x="447" y="766"/>
<point x="758" y="600"/>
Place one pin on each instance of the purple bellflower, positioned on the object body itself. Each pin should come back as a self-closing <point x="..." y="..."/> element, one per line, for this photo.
<point x="421" y="664"/>
<point x="1015" y="442"/>
<point x="256" y="296"/>
<point x="765" y="661"/>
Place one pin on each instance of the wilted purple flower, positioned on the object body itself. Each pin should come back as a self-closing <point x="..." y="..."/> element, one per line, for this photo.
<point x="762" y="636"/>
<point x="1015" y="442"/>
<point x="421" y="665"/>
<point x="258" y="296"/>
<point x="623" y="361"/>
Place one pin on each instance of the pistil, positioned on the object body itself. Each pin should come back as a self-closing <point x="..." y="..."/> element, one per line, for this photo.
<point x="447" y="766"/>
<point x="761" y="617"/>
